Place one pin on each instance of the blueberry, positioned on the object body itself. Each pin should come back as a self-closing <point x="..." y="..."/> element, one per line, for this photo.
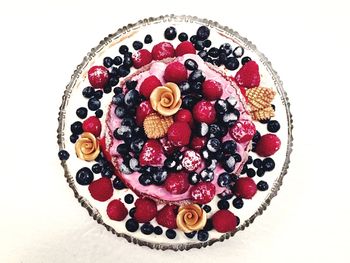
<point x="184" y="87"/>
<point x="201" y="129"/>
<point x="118" y="99"/>
<point x="221" y="106"/>
<point x="63" y="155"/>
<point x="147" y="229"/>
<point x="179" y="167"/>
<point x="199" y="45"/>
<point x="136" y="145"/>
<point x="124" y="168"/>
<point x="113" y="81"/>
<point x="217" y="62"/>
<point x="88" y="92"/>
<point x="129" y="198"/>
<point x="191" y="234"/>
<point x="120" y="112"/>
<point x="196" y="76"/>
<point x="237" y="157"/>
<point x="123" y="132"/>
<point x="213" y="145"/>
<point x="94" y="104"/>
<point x="123" y="49"/>
<point x="170" y="233"/>
<point x="238" y="52"/>
<point x="128" y="122"/>
<point x="98" y="94"/>
<point x="206" y="208"/>
<point x="223" y="205"/>
<point x="190" y="64"/>
<point x="273" y="107"/>
<point x="203" y="54"/>
<point x="170" y="33"/>
<point x="131" y="225"/>
<point x="203" y="32"/>
<point x="229" y="147"/>
<point x="132" y="98"/>
<point x="99" y="113"/>
<point x="214" y="131"/>
<point x="260" y="172"/>
<point x="249" y="160"/>
<point x="107" y="171"/>
<point x="96" y="168"/>
<point x="202" y="235"/>
<point x="158" y="230"/>
<point x="224" y="179"/>
<point x="205" y="154"/>
<point x="273" y="126"/>
<point x="268" y="164"/>
<point x="238" y="220"/>
<point x="148" y="39"/>
<point x="232" y="63"/>
<point x="222" y="58"/>
<point x="237" y="203"/>
<point x="170" y="163"/>
<point x="159" y="177"/>
<point x="262" y="186"/>
<point x="213" y="52"/>
<point x="256" y="137"/>
<point x="183" y="37"/>
<point x="77" y="128"/>
<point x="244" y="169"/>
<point x="123" y="71"/>
<point x="107" y="62"/>
<point x="118" y="184"/>
<point x="117" y="60"/>
<point x="225" y="195"/>
<point x="211" y="164"/>
<point x="132" y="212"/>
<point x="207" y="175"/>
<point x="251" y="172"/>
<point x="117" y="90"/>
<point x="207" y="43"/>
<point x="73" y="138"/>
<point x="189" y="101"/>
<point x="127" y="63"/>
<point x="196" y="87"/>
<point x="229" y="163"/>
<point x="225" y="48"/>
<point x="193" y="39"/>
<point x="137" y="45"/>
<point x="131" y="84"/>
<point x="84" y="176"/>
<point x="245" y="60"/>
<point x="193" y="178"/>
<point x="232" y="102"/>
<point x="134" y="164"/>
<point x="209" y="225"/>
<point x="208" y="59"/>
<point x="145" y="179"/>
<point x="82" y="112"/>
<point x="257" y="163"/>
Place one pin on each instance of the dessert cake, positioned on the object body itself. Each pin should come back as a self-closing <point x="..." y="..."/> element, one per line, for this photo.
<point x="174" y="132"/>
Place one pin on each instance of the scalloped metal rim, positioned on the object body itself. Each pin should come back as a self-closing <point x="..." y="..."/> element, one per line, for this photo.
<point x="168" y="18"/>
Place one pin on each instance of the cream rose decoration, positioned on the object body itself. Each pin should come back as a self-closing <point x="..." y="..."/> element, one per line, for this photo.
<point x="87" y="147"/>
<point x="166" y="99"/>
<point x="190" y="218"/>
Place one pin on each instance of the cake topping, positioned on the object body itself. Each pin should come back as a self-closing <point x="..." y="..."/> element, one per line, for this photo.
<point x="248" y="75"/>
<point x="101" y="189"/>
<point x="163" y="50"/>
<point x="224" y="221"/>
<point x="190" y="218"/>
<point x="148" y="85"/>
<point x="167" y="216"/>
<point x="175" y="72"/>
<point x="204" y="111"/>
<point x="92" y="125"/>
<point x="243" y="131"/>
<point x="191" y="160"/>
<point x="268" y="145"/>
<point x="156" y="125"/>
<point x="212" y="90"/>
<point x="146" y="210"/>
<point x="203" y="192"/>
<point x="179" y="134"/>
<point x="87" y="147"/>
<point x="245" y="187"/>
<point x="151" y="154"/>
<point x="141" y="58"/>
<point x="260" y="99"/>
<point x="143" y="110"/>
<point x="177" y="183"/>
<point x="166" y="99"/>
<point x="98" y="76"/>
<point x="116" y="210"/>
<point x="185" y="47"/>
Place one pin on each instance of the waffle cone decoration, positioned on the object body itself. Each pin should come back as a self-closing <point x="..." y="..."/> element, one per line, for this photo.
<point x="259" y="100"/>
<point x="263" y="114"/>
<point x="156" y="125"/>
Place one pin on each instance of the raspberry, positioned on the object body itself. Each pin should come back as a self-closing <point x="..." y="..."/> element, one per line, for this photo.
<point x="92" y="125"/>
<point x="167" y="216"/>
<point x="116" y="210"/>
<point x="151" y="154"/>
<point x="212" y="90"/>
<point x="105" y="152"/>
<point x="185" y="47"/>
<point x="148" y="85"/>
<point x="184" y="115"/>
<point x="175" y="72"/>
<point x="204" y="111"/>
<point x="101" y="189"/>
<point x="177" y="183"/>
<point x="268" y="145"/>
<point x="197" y="143"/>
<point x="243" y="131"/>
<point x="167" y="145"/>
<point x="144" y="109"/>
<point x="179" y="134"/>
<point x="245" y="187"/>
<point x="146" y="210"/>
<point x="224" y="221"/>
<point x="141" y="58"/>
<point x="191" y="160"/>
<point x="163" y="50"/>
<point x="248" y="76"/>
<point x="98" y="76"/>
<point x="203" y="192"/>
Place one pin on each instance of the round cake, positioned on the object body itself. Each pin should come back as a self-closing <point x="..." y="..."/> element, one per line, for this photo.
<point x="172" y="132"/>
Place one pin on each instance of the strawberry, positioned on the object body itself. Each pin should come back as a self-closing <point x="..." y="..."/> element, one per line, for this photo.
<point x="142" y="111"/>
<point x="163" y="50"/>
<point x="248" y="75"/>
<point x="177" y="183"/>
<point x="184" y="115"/>
<point x="197" y="143"/>
<point x="151" y="154"/>
<point x="203" y="192"/>
<point x="167" y="145"/>
<point x="245" y="187"/>
<point x="98" y="76"/>
<point x="148" y="85"/>
<point x="175" y="72"/>
<point x="268" y="145"/>
<point x="167" y="216"/>
<point x="179" y="134"/>
<point x="101" y="189"/>
<point x="141" y="58"/>
<point x="212" y="90"/>
<point x="146" y="210"/>
<point x="185" y="47"/>
<point x="204" y="111"/>
<point x="191" y="160"/>
<point x="92" y="125"/>
<point x="116" y="210"/>
<point x="224" y="221"/>
<point x="105" y="152"/>
<point x="243" y="131"/>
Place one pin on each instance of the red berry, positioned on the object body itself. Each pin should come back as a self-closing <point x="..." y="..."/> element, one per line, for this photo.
<point x="245" y="187"/>
<point x="243" y="131"/>
<point x="116" y="210"/>
<point x="92" y="125"/>
<point x="98" y="76"/>
<point x="177" y="183"/>
<point x="175" y="72"/>
<point x="224" y="221"/>
<point x="151" y="154"/>
<point x="212" y="90"/>
<point x="184" y="115"/>
<point x="101" y="189"/>
<point x="248" y="76"/>
<point x="163" y="50"/>
<point x="197" y="143"/>
<point x="191" y="160"/>
<point x="168" y="147"/>
<point x="268" y="145"/>
<point x="148" y="85"/>
<point x="141" y="58"/>
<point x="167" y="216"/>
<point x="179" y="134"/>
<point x="146" y="210"/>
<point x="185" y="47"/>
<point x="203" y="192"/>
<point x="243" y="91"/>
<point x="105" y="152"/>
<point x="142" y="111"/>
<point x="204" y="111"/>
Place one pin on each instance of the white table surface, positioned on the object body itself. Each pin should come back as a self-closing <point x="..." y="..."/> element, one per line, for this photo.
<point x="41" y="44"/>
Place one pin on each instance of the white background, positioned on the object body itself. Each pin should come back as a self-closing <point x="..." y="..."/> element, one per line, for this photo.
<point x="41" y="44"/>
